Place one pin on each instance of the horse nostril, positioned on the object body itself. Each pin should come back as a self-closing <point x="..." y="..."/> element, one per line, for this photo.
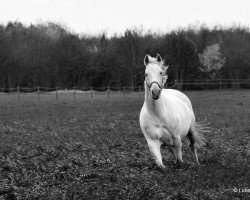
<point x="155" y="94"/>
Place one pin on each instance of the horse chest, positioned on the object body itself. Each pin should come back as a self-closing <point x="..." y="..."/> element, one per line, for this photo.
<point x="156" y="127"/>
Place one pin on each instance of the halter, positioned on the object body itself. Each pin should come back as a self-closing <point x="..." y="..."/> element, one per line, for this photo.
<point x="150" y="85"/>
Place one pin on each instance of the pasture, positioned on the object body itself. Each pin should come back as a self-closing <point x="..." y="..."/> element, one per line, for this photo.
<point x="94" y="149"/>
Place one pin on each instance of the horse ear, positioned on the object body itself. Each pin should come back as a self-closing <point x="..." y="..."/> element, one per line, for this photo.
<point x="158" y="58"/>
<point x="146" y="59"/>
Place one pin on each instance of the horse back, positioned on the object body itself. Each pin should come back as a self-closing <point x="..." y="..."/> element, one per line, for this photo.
<point x="176" y="93"/>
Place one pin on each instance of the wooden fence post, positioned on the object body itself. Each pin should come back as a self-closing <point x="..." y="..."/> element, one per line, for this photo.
<point x="91" y="92"/>
<point x="74" y="93"/>
<point x="108" y="91"/>
<point x="18" y="93"/>
<point x="38" y="93"/>
<point x="56" y="94"/>
<point x="139" y="90"/>
<point x="124" y="92"/>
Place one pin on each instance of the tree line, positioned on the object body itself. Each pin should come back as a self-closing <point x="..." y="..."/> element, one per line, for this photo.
<point x="49" y="55"/>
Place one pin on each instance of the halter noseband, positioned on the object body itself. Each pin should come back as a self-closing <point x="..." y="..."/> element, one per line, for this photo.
<point x="150" y="85"/>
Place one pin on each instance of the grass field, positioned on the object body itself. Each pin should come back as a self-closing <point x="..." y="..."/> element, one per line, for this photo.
<point x="95" y="150"/>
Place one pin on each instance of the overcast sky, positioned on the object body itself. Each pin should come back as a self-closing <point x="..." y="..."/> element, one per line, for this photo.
<point x="114" y="16"/>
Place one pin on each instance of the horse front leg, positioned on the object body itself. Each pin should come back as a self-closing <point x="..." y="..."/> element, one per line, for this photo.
<point x="154" y="147"/>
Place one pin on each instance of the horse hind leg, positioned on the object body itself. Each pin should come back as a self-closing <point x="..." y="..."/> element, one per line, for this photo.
<point x="177" y="149"/>
<point x="192" y="146"/>
<point x="154" y="147"/>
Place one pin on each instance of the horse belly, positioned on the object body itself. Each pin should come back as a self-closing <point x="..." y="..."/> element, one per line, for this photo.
<point x="178" y="120"/>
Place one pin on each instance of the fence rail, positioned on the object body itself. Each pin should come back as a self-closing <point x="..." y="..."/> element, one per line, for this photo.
<point x="93" y="91"/>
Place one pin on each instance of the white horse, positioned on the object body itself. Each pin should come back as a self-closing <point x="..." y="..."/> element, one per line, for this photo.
<point x="167" y="115"/>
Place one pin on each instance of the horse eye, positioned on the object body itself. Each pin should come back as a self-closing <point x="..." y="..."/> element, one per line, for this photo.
<point x="146" y="74"/>
<point x="160" y="73"/>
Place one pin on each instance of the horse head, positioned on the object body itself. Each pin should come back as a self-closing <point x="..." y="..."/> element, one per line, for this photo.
<point x="155" y="75"/>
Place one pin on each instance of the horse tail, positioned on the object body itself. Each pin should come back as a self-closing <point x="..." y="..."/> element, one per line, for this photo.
<point x="200" y="129"/>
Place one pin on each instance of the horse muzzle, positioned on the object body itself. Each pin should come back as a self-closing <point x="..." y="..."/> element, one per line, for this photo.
<point x="156" y="94"/>
<point x="155" y="90"/>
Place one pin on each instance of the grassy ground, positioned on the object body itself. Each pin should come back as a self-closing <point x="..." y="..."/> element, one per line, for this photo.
<point x="95" y="150"/>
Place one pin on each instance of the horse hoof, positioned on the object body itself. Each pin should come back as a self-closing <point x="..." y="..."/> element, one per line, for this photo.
<point x="178" y="165"/>
<point x="161" y="168"/>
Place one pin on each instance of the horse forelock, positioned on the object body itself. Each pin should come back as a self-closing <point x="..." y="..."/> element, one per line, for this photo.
<point x="153" y="60"/>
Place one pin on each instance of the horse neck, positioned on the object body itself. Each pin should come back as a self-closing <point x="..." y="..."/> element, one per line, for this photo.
<point x="151" y="104"/>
